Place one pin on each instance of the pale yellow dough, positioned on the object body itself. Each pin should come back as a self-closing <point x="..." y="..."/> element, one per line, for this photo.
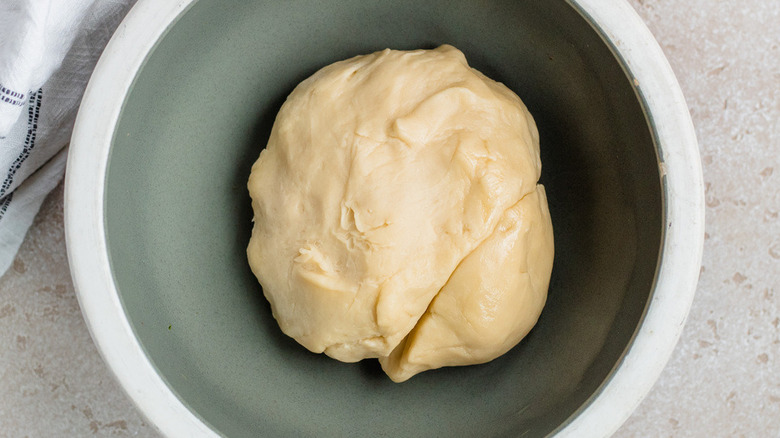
<point x="398" y="215"/>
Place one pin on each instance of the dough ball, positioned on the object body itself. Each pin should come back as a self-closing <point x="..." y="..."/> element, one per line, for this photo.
<point x="398" y="215"/>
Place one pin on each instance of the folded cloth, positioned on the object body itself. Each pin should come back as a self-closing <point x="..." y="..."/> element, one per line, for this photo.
<point x="48" y="49"/>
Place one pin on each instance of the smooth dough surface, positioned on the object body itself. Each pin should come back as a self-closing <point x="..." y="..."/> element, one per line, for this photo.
<point x="398" y="215"/>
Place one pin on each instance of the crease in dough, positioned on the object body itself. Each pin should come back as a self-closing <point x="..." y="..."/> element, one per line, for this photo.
<point x="492" y="300"/>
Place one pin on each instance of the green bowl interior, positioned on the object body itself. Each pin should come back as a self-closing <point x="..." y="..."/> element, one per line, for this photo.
<point x="178" y="216"/>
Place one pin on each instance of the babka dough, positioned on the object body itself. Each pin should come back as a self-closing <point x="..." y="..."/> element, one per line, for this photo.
<point x="397" y="213"/>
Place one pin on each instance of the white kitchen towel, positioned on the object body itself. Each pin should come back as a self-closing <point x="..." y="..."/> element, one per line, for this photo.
<point x="48" y="49"/>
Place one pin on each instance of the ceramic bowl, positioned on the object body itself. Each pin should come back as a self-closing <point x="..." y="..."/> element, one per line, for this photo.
<point x="158" y="217"/>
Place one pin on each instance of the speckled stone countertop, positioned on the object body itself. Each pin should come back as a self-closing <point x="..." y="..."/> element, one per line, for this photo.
<point x="723" y="379"/>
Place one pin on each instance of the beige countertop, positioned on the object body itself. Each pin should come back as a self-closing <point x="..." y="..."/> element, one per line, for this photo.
<point x="723" y="379"/>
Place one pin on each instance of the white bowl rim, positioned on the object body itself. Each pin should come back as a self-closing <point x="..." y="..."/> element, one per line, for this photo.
<point x="630" y="380"/>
